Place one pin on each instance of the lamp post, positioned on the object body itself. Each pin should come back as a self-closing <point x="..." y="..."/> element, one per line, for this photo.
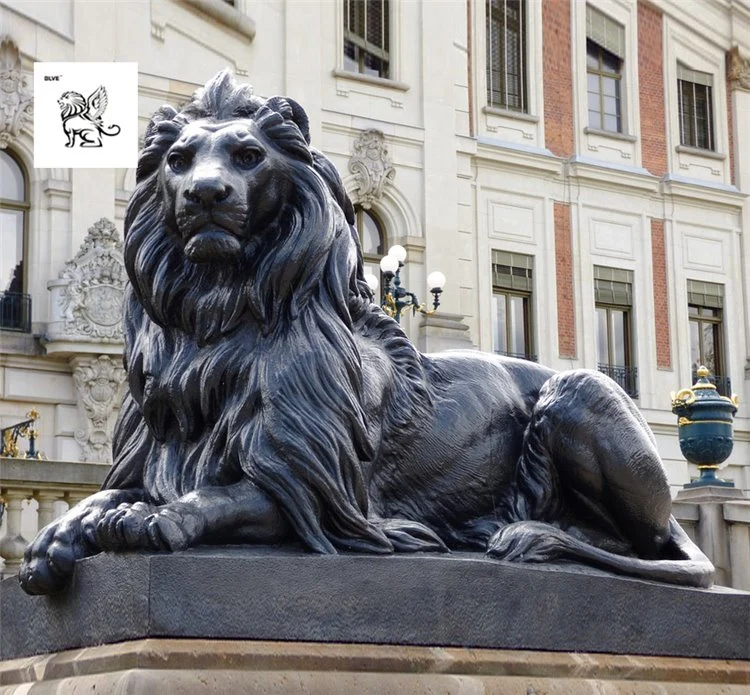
<point x="396" y="298"/>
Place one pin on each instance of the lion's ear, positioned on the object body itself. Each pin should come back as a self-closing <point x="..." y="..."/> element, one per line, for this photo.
<point x="163" y="113"/>
<point x="291" y="111"/>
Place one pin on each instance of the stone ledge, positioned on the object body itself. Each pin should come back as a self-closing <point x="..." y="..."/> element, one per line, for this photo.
<point x="240" y="666"/>
<point x="462" y="600"/>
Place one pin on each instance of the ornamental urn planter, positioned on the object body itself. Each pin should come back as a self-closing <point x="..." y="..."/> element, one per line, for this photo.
<point x="705" y="428"/>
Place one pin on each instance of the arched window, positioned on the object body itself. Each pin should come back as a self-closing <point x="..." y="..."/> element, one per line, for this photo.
<point x="373" y="242"/>
<point x="15" y="306"/>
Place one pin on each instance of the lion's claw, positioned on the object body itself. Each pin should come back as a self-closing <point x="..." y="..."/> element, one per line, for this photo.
<point x="175" y="528"/>
<point x="142" y="527"/>
<point x="124" y="528"/>
<point x="48" y="562"/>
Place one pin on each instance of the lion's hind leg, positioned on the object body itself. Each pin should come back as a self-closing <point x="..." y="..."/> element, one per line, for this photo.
<point x="591" y="487"/>
<point x="91" y="138"/>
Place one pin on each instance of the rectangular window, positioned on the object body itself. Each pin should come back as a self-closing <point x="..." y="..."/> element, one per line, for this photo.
<point x="605" y="52"/>
<point x="705" y="313"/>
<point x="512" y="286"/>
<point x="696" y="110"/>
<point x="366" y="37"/>
<point x="506" y="55"/>
<point x="613" y="294"/>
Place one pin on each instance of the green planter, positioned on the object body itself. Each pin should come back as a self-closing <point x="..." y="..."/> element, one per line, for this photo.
<point x="705" y="428"/>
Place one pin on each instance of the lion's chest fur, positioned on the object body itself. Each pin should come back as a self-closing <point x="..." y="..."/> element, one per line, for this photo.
<point x="195" y="400"/>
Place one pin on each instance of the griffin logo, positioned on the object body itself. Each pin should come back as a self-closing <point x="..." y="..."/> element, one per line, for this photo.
<point x="82" y="117"/>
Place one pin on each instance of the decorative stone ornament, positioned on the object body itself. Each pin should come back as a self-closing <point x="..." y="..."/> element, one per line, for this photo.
<point x="371" y="166"/>
<point x="738" y="70"/>
<point x="87" y="298"/>
<point x="99" y="383"/>
<point x="16" y="99"/>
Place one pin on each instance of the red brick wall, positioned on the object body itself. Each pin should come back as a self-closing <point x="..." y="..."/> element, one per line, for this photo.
<point x="558" y="77"/>
<point x="566" y="322"/>
<point x="651" y="86"/>
<point x="661" y="298"/>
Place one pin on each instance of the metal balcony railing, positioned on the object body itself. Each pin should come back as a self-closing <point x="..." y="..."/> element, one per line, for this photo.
<point x="723" y="383"/>
<point x="15" y="312"/>
<point x="626" y="377"/>
<point x="517" y="355"/>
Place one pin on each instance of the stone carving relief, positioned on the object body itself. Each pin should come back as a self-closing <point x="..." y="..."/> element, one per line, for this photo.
<point x="739" y="69"/>
<point x="99" y="382"/>
<point x="371" y="166"/>
<point x="87" y="298"/>
<point x="16" y="99"/>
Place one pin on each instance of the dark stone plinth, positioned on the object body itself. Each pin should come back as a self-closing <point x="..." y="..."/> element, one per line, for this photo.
<point x="458" y="600"/>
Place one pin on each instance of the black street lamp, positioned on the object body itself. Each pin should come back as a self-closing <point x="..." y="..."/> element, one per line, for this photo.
<point x="397" y="298"/>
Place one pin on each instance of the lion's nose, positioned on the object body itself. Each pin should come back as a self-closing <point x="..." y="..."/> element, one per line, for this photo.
<point x="208" y="191"/>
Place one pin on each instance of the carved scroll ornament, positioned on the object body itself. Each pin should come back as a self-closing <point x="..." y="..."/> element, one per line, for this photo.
<point x="371" y="166"/>
<point x="16" y="99"/>
<point x="98" y="383"/>
<point x="87" y="299"/>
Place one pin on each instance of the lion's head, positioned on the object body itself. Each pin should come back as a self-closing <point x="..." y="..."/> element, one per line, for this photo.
<point x="71" y="104"/>
<point x="228" y="190"/>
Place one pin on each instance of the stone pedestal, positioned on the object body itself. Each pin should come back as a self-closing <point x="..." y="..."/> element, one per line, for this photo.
<point x="366" y="624"/>
<point x="719" y="517"/>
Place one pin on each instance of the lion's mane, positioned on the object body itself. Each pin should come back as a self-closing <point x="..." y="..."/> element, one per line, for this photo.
<point x="258" y="369"/>
<point x="72" y="104"/>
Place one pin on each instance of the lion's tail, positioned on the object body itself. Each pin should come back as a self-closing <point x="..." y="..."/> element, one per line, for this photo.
<point x="535" y="541"/>
<point x="114" y="129"/>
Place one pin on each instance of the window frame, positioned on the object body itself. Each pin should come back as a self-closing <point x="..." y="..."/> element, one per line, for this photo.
<point x="23" y="207"/>
<point x="359" y="212"/>
<point x="617" y="33"/>
<point x="522" y="55"/>
<point x="625" y="374"/>
<point x="710" y="132"/>
<point x="365" y="46"/>
<point x="703" y="294"/>
<point x="684" y="47"/>
<point x="527" y="297"/>
<point x="717" y="324"/>
<point x="601" y="72"/>
<point x="520" y="285"/>
<point x="628" y="335"/>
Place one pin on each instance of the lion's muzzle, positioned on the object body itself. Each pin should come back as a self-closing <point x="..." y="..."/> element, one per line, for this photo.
<point x="212" y="245"/>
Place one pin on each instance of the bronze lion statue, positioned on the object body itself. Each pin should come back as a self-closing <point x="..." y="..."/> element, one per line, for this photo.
<point x="270" y="401"/>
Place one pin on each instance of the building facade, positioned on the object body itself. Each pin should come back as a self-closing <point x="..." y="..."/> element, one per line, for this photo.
<point x="579" y="169"/>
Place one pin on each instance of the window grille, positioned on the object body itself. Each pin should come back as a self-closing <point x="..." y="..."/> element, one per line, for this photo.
<point x="367" y="37"/>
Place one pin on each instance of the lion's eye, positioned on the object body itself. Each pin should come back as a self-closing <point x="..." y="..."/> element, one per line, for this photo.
<point x="247" y="158"/>
<point x="178" y="162"/>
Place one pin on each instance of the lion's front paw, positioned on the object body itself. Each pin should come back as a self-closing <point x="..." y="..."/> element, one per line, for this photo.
<point x="48" y="562"/>
<point x="175" y="527"/>
<point x="125" y="527"/>
<point x="141" y="526"/>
